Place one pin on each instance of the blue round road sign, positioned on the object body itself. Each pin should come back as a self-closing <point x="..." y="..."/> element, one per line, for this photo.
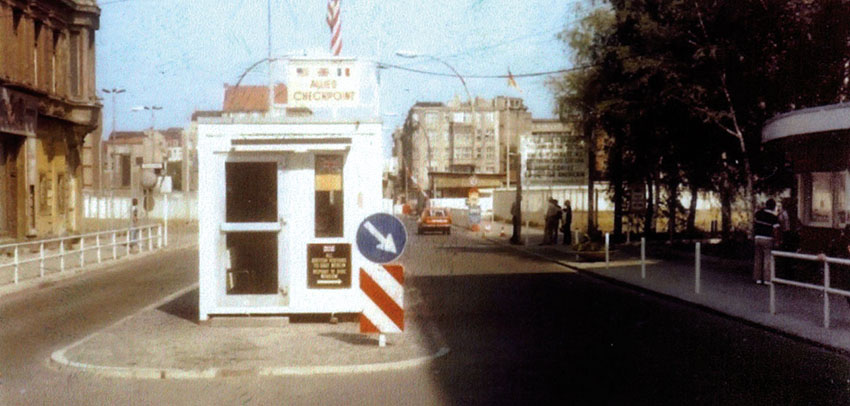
<point x="381" y="238"/>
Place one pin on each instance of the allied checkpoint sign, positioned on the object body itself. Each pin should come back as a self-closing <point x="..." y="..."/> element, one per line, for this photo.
<point x="323" y="83"/>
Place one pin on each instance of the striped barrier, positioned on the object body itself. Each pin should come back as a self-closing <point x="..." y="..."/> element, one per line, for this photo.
<point x="383" y="299"/>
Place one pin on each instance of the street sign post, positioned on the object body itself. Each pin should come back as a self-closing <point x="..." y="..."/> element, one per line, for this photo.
<point x="381" y="238"/>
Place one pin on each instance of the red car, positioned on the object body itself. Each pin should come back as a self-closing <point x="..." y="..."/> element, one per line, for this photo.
<point x="435" y="219"/>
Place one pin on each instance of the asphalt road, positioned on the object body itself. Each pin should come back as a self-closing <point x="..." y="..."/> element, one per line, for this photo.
<point x="521" y="331"/>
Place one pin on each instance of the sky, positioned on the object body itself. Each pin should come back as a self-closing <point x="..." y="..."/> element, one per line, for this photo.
<point x="178" y="54"/>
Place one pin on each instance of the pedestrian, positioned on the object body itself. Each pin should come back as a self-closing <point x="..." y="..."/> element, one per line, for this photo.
<point x="134" y="223"/>
<point x="516" y="212"/>
<point x="556" y="221"/>
<point x="787" y="225"/>
<point x="566" y="226"/>
<point x="765" y="227"/>
<point x="548" y="217"/>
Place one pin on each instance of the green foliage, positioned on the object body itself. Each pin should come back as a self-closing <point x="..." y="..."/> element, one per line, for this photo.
<point x="682" y="88"/>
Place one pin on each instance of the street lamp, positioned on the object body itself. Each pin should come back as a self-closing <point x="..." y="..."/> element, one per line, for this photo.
<point x="152" y="109"/>
<point x="114" y="92"/>
<point x="412" y="55"/>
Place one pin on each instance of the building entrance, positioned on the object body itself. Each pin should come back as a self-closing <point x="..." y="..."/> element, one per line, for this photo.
<point x="10" y="146"/>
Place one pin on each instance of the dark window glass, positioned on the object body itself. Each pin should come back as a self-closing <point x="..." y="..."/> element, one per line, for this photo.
<point x="251" y="195"/>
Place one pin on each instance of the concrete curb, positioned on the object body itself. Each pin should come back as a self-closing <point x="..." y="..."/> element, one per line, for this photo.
<point x="58" y="358"/>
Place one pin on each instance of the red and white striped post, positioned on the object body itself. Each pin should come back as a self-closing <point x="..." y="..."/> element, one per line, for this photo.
<point x="383" y="300"/>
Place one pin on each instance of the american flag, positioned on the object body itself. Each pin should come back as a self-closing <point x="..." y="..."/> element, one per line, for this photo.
<point x="333" y="23"/>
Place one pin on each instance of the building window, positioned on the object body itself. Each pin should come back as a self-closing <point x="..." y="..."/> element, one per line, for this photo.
<point x="329" y="196"/>
<point x="823" y="200"/>
<point x="74" y="63"/>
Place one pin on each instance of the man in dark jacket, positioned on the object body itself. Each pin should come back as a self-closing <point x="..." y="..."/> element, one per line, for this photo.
<point x="765" y="225"/>
<point x="566" y="226"/>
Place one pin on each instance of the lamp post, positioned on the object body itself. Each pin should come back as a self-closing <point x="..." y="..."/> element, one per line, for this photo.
<point x="412" y="55"/>
<point x="152" y="109"/>
<point x="114" y="92"/>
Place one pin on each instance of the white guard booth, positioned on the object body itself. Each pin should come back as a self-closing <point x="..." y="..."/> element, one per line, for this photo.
<point x="281" y="195"/>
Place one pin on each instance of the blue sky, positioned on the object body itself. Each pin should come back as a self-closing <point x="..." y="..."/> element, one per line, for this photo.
<point x="179" y="53"/>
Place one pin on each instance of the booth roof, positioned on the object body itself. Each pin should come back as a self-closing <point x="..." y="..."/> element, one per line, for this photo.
<point x="821" y="119"/>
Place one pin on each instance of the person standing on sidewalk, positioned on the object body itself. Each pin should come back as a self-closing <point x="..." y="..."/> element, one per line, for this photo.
<point x="566" y="226"/>
<point x="765" y="226"/>
<point x="548" y="218"/>
<point x="556" y="221"/>
<point x="134" y="223"/>
<point x="516" y="212"/>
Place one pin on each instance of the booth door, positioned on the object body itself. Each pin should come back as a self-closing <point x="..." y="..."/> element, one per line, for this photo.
<point x="253" y="230"/>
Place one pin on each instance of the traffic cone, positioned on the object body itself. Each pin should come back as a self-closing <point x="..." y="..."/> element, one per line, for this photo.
<point x="502" y="232"/>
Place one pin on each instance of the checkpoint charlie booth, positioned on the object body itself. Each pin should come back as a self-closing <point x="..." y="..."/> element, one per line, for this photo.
<point x="816" y="142"/>
<point x="281" y="195"/>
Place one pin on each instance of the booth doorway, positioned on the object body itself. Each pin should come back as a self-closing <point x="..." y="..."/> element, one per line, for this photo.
<point x="252" y="215"/>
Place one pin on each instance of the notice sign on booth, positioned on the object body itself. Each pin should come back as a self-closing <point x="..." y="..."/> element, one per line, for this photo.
<point x="323" y="83"/>
<point x="328" y="265"/>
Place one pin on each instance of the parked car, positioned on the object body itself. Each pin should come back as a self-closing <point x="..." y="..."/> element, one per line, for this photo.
<point x="435" y="219"/>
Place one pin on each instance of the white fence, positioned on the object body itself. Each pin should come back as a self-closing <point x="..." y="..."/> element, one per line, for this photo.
<point x="824" y="287"/>
<point x="181" y="206"/>
<point x="35" y="259"/>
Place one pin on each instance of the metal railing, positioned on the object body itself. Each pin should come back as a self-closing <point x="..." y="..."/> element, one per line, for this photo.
<point x="35" y="259"/>
<point x="825" y="287"/>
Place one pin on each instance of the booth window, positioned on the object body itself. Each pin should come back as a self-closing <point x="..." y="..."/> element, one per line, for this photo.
<point x="252" y="263"/>
<point x="823" y="200"/>
<point x="329" y="214"/>
<point x="251" y="195"/>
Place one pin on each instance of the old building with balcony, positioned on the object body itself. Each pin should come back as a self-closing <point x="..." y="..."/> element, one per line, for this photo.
<point x="48" y="107"/>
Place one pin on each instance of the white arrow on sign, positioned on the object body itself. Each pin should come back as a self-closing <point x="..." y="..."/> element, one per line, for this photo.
<point x="384" y="243"/>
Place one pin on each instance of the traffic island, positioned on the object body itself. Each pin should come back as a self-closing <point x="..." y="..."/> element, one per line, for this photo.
<point x="167" y="342"/>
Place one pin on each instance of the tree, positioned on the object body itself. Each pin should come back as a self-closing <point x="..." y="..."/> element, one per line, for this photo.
<point x="684" y="86"/>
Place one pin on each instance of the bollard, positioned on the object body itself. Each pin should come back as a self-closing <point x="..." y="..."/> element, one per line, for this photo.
<point x="82" y="252"/>
<point x="41" y="260"/>
<point x="97" y="243"/>
<point x="526" y="233"/>
<point x="825" y="294"/>
<point x="114" y="247"/>
<point x="159" y="236"/>
<point x="382" y="340"/>
<point x="643" y="257"/>
<point x="129" y="231"/>
<point x="150" y="238"/>
<point x="61" y="255"/>
<point x="607" y="244"/>
<point x="16" y="265"/>
<point x="697" y="269"/>
<point x="772" y="289"/>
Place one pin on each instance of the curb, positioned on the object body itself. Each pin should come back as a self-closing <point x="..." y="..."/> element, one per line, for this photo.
<point x="702" y="307"/>
<point x="58" y="358"/>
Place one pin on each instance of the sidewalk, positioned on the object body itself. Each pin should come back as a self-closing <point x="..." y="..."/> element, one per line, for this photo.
<point x="725" y="286"/>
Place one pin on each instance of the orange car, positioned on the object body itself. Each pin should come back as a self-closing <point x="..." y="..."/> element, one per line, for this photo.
<point x="435" y="219"/>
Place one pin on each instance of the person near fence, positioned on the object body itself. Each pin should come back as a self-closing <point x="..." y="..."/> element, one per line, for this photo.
<point x="516" y="208"/>
<point x="765" y="227"/>
<point x="134" y="223"/>
<point x="556" y="221"/>
<point x="566" y="226"/>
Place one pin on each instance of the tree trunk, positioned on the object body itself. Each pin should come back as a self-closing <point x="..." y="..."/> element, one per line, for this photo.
<point x="618" y="207"/>
<point x="692" y="209"/>
<point x="672" y="205"/>
<point x="591" y="174"/>
<point x="726" y="194"/>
